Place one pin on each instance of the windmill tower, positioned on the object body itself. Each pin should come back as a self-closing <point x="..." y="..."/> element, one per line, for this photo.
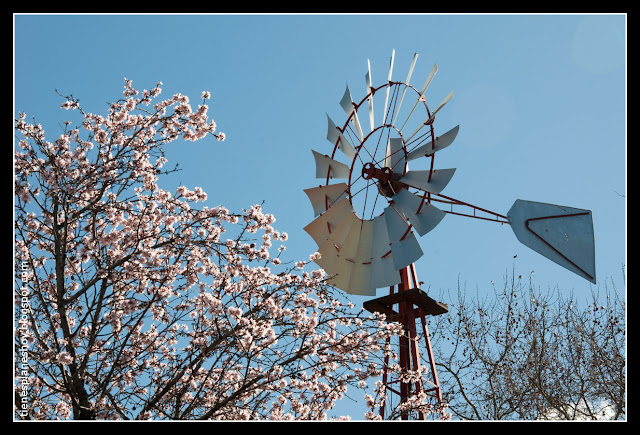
<point x="365" y="225"/>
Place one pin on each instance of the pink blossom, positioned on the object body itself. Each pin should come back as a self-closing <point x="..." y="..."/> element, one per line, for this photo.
<point x="63" y="410"/>
<point x="64" y="358"/>
<point x="234" y="312"/>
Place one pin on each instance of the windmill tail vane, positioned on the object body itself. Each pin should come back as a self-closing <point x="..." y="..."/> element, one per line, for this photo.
<point x="365" y="226"/>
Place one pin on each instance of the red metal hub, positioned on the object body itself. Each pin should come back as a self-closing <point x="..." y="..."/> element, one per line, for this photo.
<point x="388" y="181"/>
<point x="370" y="171"/>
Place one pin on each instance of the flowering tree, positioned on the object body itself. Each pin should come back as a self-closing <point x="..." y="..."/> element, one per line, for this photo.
<point x="133" y="302"/>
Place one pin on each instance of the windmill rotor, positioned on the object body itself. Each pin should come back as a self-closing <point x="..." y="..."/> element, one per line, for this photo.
<point x="383" y="192"/>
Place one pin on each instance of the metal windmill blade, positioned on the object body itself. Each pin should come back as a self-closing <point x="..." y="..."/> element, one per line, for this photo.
<point x="404" y="245"/>
<point x="404" y="91"/>
<point x="323" y="197"/>
<point x="394" y="157"/>
<point x="440" y="143"/>
<point x="335" y="136"/>
<point x="432" y="181"/>
<point x="320" y="228"/>
<point x="433" y="72"/>
<point x="347" y="105"/>
<point x="328" y="167"/>
<point x="423" y="216"/>
<point x="432" y="115"/>
<point x="386" y="98"/>
<point x="370" y="95"/>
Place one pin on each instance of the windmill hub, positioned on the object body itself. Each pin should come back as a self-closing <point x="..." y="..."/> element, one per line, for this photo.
<point x="388" y="181"/>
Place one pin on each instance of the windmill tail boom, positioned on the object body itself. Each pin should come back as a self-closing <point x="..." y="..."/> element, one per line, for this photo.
<point x="562" y="234"/>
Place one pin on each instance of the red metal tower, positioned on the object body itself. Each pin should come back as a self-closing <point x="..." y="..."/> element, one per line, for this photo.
<point x="413" y="305"/>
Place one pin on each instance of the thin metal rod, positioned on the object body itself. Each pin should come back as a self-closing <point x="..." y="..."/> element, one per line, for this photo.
<point x="404" y="310"/>
<point x="432" y="363"/>
<point x="385" y="380"/>
<point x="454" y="201"/>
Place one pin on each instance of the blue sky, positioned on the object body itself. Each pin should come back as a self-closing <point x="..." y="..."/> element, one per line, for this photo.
<point x="540" y="99"/>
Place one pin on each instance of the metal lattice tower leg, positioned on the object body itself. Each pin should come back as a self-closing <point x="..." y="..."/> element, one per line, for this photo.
<point x="413" y="306"/>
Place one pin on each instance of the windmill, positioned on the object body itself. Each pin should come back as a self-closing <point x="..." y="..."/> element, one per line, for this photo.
<point x="365" y="225"/>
